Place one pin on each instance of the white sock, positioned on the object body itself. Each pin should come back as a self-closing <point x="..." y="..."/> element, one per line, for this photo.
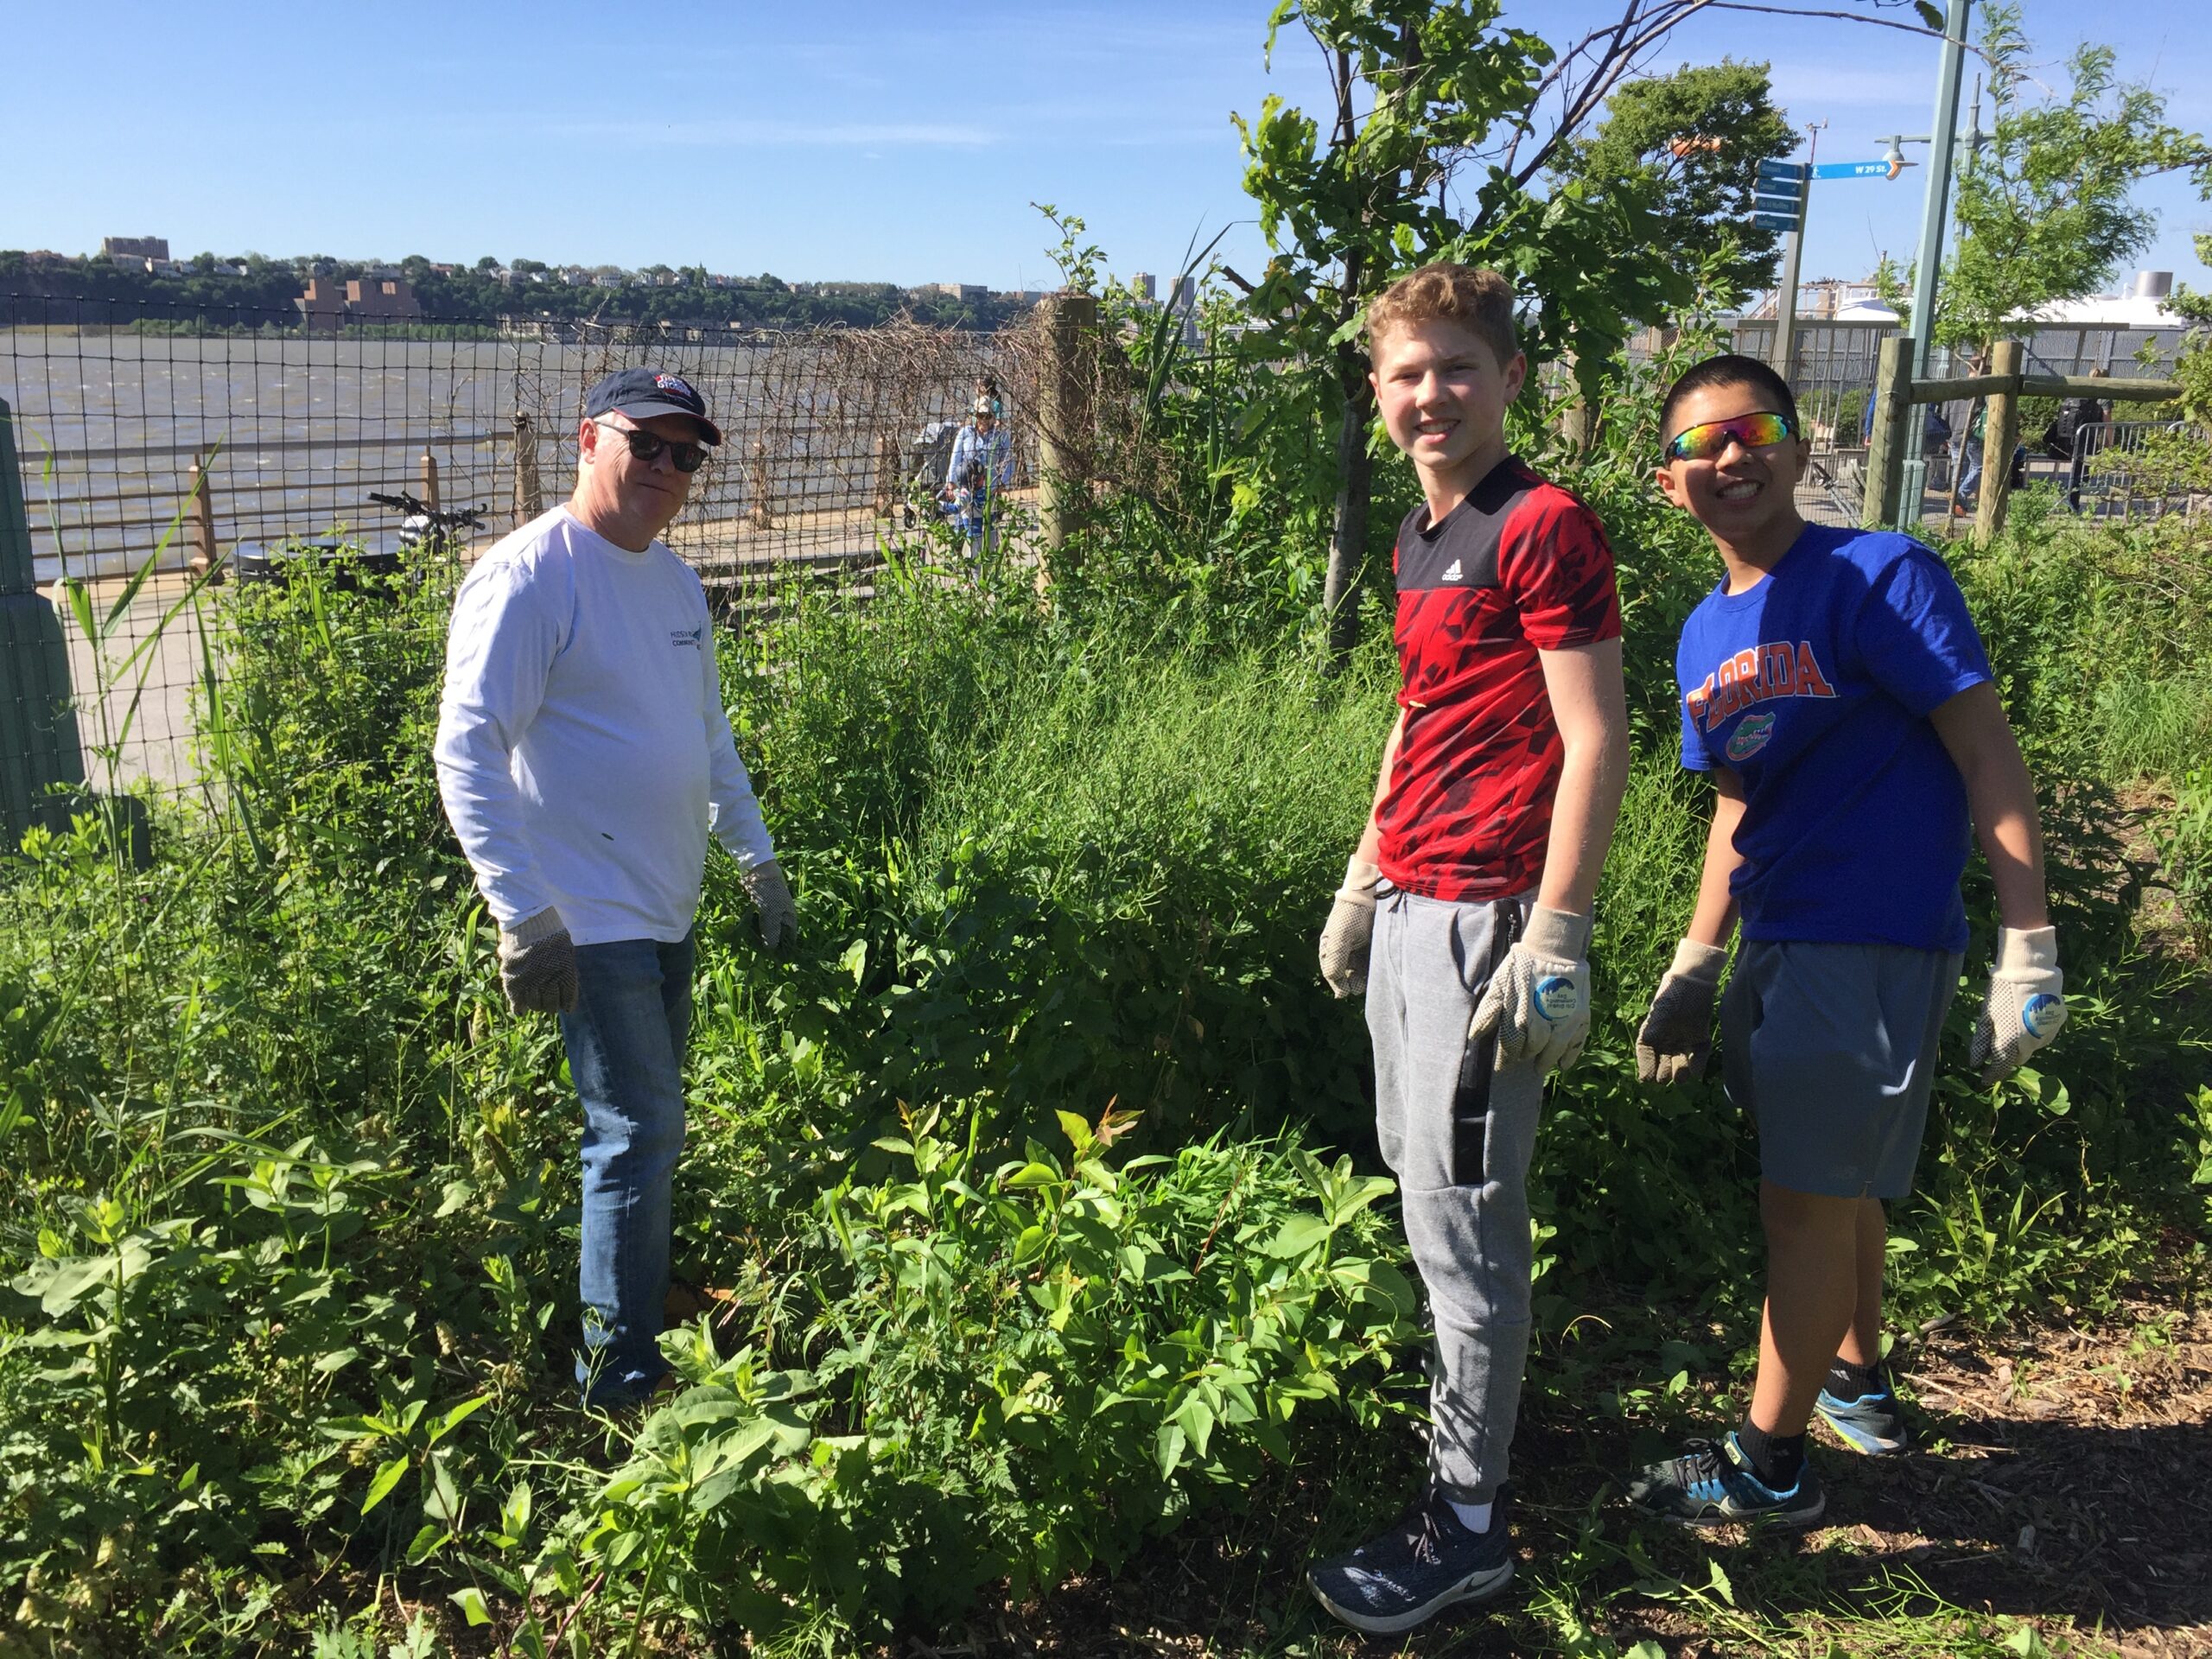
<point x="1475" y="1517"/>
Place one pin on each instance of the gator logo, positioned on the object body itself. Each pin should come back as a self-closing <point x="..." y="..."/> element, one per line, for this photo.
<point x="1748" y="739"/>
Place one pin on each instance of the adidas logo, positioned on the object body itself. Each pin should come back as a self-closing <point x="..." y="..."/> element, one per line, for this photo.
<point x="1451" y="573"/>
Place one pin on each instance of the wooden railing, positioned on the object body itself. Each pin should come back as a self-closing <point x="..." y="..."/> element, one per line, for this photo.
<point x="1896" y="393"/>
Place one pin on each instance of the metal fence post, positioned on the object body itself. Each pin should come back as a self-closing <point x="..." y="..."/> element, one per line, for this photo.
<point x="1062" y="413"/>
<point x="2000" y="431"/>
<point x="530" y="494"/>
<point x="1886" y="443"/>
<point x="39" y="745"/>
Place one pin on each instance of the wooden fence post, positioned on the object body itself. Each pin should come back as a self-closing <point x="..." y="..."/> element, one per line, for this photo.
<point x="530" y="494"/>
<point x="201" y="483"/>
<point x="1064" y="415"/>
<point x="2000" y="431"/>
<point x="1885" y="453"/>
<point x="429" y="469"/>
<point x="887" y="474"/>
<point x="763" y="508"/>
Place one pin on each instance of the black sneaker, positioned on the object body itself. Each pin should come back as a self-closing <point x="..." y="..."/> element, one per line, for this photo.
<point x="1712" y="1484"/>
<point x="1426" y="1563"/>
<point x="1873" y="1423"/>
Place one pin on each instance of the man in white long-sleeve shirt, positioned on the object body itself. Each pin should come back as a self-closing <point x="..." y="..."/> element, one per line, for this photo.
<point x="584" y="757"/>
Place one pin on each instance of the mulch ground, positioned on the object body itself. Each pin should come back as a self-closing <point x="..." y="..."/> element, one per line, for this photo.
<point x="2064" y="1476"/>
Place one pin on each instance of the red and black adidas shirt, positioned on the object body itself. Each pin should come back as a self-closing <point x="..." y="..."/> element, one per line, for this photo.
<point x="1518" y="567"/>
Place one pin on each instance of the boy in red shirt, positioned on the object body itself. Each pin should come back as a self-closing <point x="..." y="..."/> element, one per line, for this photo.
<point x="1465" y="912"/>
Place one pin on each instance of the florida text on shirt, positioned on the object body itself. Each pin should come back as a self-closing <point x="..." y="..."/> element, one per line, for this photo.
<point x="1755" y="675"/>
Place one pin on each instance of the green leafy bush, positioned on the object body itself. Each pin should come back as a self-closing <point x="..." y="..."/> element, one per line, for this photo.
<point x="1009" y="1374"/>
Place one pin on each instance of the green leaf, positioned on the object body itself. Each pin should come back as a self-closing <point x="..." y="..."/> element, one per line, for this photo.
<point x="459" y="1415"/>
<point x="379" y="1489"/>
<point x="1300" y="1236"/>
<point x="1034" y="1175"/>
<point x="1167" y="1447"/>
<point x="471" y="1603"/>
<point x="1930" y="14"/>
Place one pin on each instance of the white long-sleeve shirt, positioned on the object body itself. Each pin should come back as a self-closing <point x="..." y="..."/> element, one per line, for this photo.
<point x="583" y="754"/>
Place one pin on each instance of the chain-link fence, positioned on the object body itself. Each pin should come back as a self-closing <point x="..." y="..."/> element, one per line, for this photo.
<point x="237" y="439"/>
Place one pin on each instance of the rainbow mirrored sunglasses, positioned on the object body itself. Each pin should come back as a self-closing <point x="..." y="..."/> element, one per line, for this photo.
<point x="1707" y="442"/>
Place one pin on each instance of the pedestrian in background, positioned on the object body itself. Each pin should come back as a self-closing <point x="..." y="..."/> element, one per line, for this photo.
<point x="980" y="467"/>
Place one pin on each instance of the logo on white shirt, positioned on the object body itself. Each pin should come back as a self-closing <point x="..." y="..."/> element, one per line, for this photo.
<point x="1451" y="573"/>
<point x="685" y="636"/>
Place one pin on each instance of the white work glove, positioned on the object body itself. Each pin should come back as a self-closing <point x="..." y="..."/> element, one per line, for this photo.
<point x="777" y="912"/>
<point x="1676" y="1036"/>
<point x="1350" y="929"/>
<point x="2026" y="1003"/>
<point x="1537" y="1004"/>
<point x="538" y="965"/>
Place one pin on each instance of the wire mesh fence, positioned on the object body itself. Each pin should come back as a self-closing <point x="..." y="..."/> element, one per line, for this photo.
<point x="236" y="439"/>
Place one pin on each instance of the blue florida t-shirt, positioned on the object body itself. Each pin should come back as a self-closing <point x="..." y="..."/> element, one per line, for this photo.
<point x="1814" y="685"/>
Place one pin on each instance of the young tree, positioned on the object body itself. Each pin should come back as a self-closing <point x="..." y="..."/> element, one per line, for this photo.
<point x="2046" y="210"/>
<point x="1443" y="126"/>
<point x="1690" y="145"/>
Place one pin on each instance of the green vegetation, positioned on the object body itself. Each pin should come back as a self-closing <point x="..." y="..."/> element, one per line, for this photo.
<point x="2046" y="209"/>
<point x="1691" y="144"/>
<point x="247" y="293"/>
<point x="1034" y="1239"/>
<point x="1033" y="1196"/>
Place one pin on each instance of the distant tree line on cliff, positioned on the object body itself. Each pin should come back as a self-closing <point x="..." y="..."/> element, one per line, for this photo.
<point x="227" y="291"/>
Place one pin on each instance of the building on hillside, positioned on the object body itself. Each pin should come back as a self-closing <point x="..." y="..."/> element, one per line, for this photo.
<point x="966" y="293"/>
<point x="135" y="247"/>
<point x="1144" y="286"/>
<point x="326" y="306"/>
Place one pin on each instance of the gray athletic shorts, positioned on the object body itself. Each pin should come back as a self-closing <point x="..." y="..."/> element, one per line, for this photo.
<point x="1830" y="1049"/>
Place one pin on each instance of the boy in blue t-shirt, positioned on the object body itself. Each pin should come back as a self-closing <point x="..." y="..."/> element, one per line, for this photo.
<point x="1834" y="686"/>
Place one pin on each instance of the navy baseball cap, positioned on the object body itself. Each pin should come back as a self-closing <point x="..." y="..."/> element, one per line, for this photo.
<point x="642" y="393"/>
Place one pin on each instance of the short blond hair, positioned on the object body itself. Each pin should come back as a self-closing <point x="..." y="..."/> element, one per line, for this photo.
<point x="1474" y="297"/>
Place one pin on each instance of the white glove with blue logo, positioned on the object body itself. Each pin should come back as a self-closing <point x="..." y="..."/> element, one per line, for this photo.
<point x="1537" y="1004"/>
<point x="2026" y="1003"/>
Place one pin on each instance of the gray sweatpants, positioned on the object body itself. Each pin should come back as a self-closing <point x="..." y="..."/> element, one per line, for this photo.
<point x="1457" y="1132"/>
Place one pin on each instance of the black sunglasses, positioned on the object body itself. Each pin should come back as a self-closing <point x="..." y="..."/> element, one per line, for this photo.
<point x="646" y="447"/>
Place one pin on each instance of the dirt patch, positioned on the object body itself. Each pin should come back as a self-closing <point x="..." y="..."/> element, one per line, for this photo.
<point x="2064" y="1479"/>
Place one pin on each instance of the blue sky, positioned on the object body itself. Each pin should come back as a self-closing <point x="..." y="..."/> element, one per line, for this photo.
<point x="844" y="140"/>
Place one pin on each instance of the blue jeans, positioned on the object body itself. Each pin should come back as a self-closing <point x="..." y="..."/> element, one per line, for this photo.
<point x="625" y="1052"/>
<point x="1968" y="491"/>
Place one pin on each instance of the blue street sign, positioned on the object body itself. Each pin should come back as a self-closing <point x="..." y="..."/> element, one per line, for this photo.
<point x="1763" y="203"/>
<point x="1790" y="172"/>
<point x="1857" y="170"/>
<point x="1775" y="221"/>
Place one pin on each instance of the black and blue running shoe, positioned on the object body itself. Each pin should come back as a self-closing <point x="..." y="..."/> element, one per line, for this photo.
<point x="1873" y="1424"/>
<point x="1426" y="1563"/>
<point x="1714" y="1483"/>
